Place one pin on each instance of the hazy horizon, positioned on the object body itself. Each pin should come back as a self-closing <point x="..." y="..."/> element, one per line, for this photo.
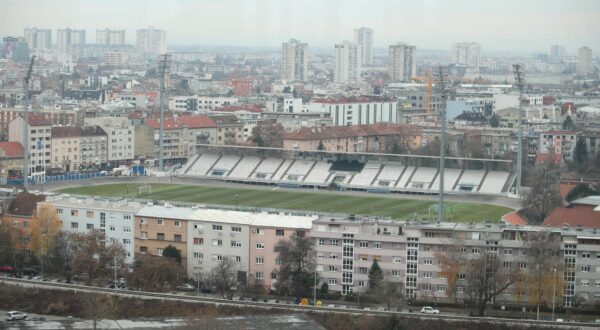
<point x="507" y="25"/>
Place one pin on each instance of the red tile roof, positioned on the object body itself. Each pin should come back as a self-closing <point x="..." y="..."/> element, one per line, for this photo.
<point x="38" y="120"/>
<point x="574" y="215"/>
<point x="25" y="204"/>
<point x="548" y="157"/>
<point x="12" y="149"/>
<point x="179" y="122"/>
<point x="515" y="218"/>
<point x="335" y="132"/>
<point x="65" y="132"/>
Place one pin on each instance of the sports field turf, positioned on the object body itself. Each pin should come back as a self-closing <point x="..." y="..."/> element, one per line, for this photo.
<point x="385" y="206"/>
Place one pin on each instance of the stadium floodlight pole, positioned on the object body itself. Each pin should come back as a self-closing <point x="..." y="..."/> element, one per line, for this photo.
<point x="163" y="67"/>
<point x="519" y="81"/>
<point x="26" y="125"/>
<point x="442" y="82"/>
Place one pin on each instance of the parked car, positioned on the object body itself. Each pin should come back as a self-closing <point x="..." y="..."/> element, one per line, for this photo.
<point x="186" y="287"/>
<point x="14" y="316"/>
<point x="7" y="269"/>
<point x="207" y="290"/>
<point x="429" y="310"/>
<point x="29" y="271"/>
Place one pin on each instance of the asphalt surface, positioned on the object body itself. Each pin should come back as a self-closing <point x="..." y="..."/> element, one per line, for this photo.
<point x="512" y="203"/>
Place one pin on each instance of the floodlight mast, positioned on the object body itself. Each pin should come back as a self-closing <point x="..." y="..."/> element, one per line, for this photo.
<point x="26" y="102"/>
<point x="164" y="63"/>
<point x="442" y="82"/>
<point x="519" y="81"/>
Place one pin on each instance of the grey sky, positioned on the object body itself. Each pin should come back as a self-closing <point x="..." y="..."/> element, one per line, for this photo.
<point x="512" y="25"/>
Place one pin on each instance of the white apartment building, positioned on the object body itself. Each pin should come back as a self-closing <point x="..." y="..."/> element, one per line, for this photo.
<point x="409" y="253"/>
<point x="347" y="63"/>
<point x="363" y="38"/>
<point x="292" y="105"/>
<point x="402" y="62"/>
<point x="40" y="150"/>
<point x="114" y="217"/>
<point x="199" y="103"/>
<point x="93" y="146"/>
<point x="120" y="134"/>
<point x="151" y="40"/>
<point x="294" y="61"/>
<point x="38" y="38"/>
<point x="358" y="110"/>
<point x="466" y="54"/>
<point x="110" y="37"/>
<point x="66" y="38"/>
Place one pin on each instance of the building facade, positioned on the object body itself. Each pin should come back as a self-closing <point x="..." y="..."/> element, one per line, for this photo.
<point x="363" y="110"/>
<point x="66" y="152"/>
<point x="347" y="63"/>
<point x="466" y="54"/>
<point x="67" y="38"/>
<point x="121" y="137"/>
<point x="402" y="65"/>
<point x="294" y="61"/>
<point x="558" y="142"/>
<point x="584" y="61"/>
<point x="110" y="37"/>
<point x="363" y="38"/>
<point x="152" y="41"/>
<point x="38" y="38"/>
<point x="40" y="145"/>
<point x="93" y="147"/>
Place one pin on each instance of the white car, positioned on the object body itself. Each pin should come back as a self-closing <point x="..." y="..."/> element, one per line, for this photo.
<point x="14" y="315"/>
<point x="429" y="310"/>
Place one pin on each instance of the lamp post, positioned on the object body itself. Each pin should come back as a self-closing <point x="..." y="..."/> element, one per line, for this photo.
<point x="315" y="289"/>
<point x="40" y="250"/>
<point x="553" y="293"/>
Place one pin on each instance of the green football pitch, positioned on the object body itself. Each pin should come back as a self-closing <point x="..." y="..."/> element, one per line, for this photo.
<point x="377" y="205"/>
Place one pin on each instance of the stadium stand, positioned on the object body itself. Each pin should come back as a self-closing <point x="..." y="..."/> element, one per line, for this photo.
<point x="376" y="173"/>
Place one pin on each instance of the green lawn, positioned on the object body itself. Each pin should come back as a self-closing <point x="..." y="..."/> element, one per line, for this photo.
<point x="314" y="201"/>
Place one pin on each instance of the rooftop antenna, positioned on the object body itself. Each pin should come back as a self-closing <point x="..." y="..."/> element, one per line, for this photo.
<point x="26" y="125"/>
<point x="519" y="81"/>
<point x="442" y="85"/>
<point x="163" y="67"/>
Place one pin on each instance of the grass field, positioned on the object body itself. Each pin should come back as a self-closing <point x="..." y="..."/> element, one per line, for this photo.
<point x="385" y="206"/>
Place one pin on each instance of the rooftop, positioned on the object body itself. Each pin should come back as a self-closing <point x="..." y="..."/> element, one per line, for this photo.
<point x="65" y="132"/>
<point x="179" y="122"/>
<point x="354" y="99"/>
<point x="12" y="149"/>
<point x="334" y="132"/>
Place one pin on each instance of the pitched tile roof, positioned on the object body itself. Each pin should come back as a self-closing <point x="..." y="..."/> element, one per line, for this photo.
<point x="37" y="119"/>
<point x="574" y="215"/>
<point x="25" y="204"/>
<point x="515" y="218"/>
<point x="65" y="132"/>
<point x="179" y="122"/>
<point x="334" y="132"/>
<point x="12" y="149"/>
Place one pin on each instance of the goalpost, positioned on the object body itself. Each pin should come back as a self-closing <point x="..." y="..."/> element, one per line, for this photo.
<point x="147" y="189"/>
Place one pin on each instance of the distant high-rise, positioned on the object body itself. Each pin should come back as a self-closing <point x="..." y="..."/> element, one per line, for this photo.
<point x="363" y="38"/>
<point x="110" y="37"/>
<point x="38" y="38"/>
<point x="151" y="40"/>
<point x="347" y="63"/>
<point x="65" y="38"/>
<point x="584" y="61"/>
<point x="16" y="49"/>
<point x="294" y="61"/>
<point x="466" y="54"/>
<point x="556" y="52"/>
<point x="402" y="62"/>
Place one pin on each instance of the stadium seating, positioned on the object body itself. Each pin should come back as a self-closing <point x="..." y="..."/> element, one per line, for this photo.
<point x="375" y="176"/>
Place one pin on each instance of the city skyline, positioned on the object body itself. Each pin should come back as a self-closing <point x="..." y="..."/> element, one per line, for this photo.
<point x="499" y="26"/>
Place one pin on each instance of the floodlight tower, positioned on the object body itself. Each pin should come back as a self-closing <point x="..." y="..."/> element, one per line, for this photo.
<point x="442" y="86"/>
<point x="519" y="81"/>
<point x="163" y="68"/>
<point x="26" y="125"/>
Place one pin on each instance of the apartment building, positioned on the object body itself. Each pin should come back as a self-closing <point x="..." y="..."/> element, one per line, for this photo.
<point x="200" y="103"/>
<point x="559" y="142"/>
<point x="40" y="135"/>
<point x="66" y="152"/>
<point x="110" y="37"/>
<point x="361" y="110"/>
<point x="158" y="226"/>
<point x="402" y="64"/>
<point x="230" y="130"/>
<point x="466" y="54"/>
<point x="294" y="62"/>
<point x="151" y="40"/>
<point x="181" y="134"/>
<point x="120" y="135"/>
<point x="93" y="147"/>
<point x="11" y="160"/>
<point x="114" y="217"/>
<point x="363" y="37"/>
<point x="38" y="38"/>
<point x="411" y="254"/>
<point x="56" y="117"/>
<point x="347" y="63"/>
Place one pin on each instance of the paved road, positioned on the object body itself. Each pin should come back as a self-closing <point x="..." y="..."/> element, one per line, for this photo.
<point x="512" y="203"/>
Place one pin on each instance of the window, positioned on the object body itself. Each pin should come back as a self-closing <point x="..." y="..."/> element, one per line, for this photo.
<point x="260" y="245"/>
<point x="397" y="260"/>
<point x="144" y="235"/>
<point x="396" y="272"/>
<point x="279" y="232"/>
<point x="585" y="269"/>
<point x="429" y="234"/>
<point x="74" y="213"/>
<point x="462" y="276"/>
<point x="236" y="244"/>
<point x="90" y="226"/>
<point x="59" y="211"/>
<point x="377" y="245"/>
<point x="260" y="260"/>
<point x="333" y="242"/>
<point x="111" y="228"/>
<point x="522" y="265"/>
<point x="217" y="242"/>
<point x="217" y="227"/>
<point x="597" y="283"/>
<point x="333" y="256"/>
<point x="584" y="283"/>
<point x="363" y="257"/>
<point x="74" y="225"/>
<point x="198" y="241"/>
<point x="89" y="214"/>
<point x="159" y="251"/>
<point x="126" y="241"/>
<point x="363" y="270"/>
<point x="460" y="289"/>
<point x="237" y="259"/>
<point x="125" y="217"/>
<point x="160" y="236"/>
<point x="333" y="281"/>
<point x="236" y="229"/>
<point x="333" y="268"/>
<point x="427" y="274"/>
<point x="507" y="251"/>
<point x="126" y="229"/>
<point x="475" y="251"/>
<point x="426" y="287"/>
<point x="321" y="241"/>
<point x="441" y="288"/>
<point x="363" y="244"/>
<point x="259" y="275"/>
<point x="142" y="221"/>
<point x="428" y="261"/>
<point x="177" y="223"/>
<point x="586" y="255"/>
<point x="198" y="255"/>
<point x="143" y="249"/>
<point x="217" y="257"/>
<point x="361" y="284"/>
<point x="177" y="237"/>
<point x="159" y="222"/>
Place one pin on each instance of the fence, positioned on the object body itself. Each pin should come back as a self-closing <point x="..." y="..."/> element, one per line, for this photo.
<point x="54" y="178"/>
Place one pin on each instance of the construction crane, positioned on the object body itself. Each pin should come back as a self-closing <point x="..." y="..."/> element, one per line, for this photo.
<point x="427" y="80"/>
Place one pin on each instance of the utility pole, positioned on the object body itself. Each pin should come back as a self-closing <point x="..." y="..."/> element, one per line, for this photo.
<point x="519" y="81"/>
<point x="442" y="82"/>
<point x="553" y="292"/>
<point x="315" y="289"/>
<point x="26" y="126"/>
<point x="115" y="269"/>
<point x="163" y="67"/>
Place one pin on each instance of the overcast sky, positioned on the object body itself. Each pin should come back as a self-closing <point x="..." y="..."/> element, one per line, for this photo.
<point x="511" y="25"/>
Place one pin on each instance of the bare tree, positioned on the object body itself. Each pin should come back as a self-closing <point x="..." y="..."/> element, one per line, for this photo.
<point x="452" y="263"/>
<point x="91" y="256"/>
<point x="61" y="255"/>
<point x="296" y="273"/>
<point x="268" y="133"/>
<point x="390" y="293"/>
<point x="97" y="307"/>
<point x="543" y="194"/>
<point x="225" y="277"/>
<point x="154" y="273"/>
